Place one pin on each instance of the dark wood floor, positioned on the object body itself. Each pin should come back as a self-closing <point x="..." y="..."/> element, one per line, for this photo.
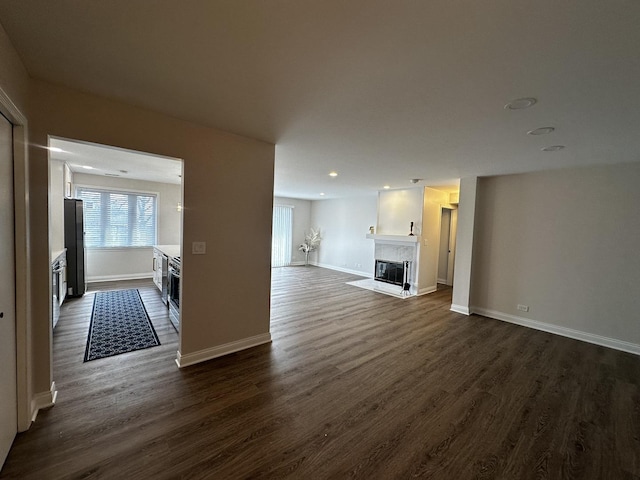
<point x="355" y="385"/>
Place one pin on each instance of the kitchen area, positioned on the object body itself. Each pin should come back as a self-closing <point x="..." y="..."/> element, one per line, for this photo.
<point x="137" y="200"/>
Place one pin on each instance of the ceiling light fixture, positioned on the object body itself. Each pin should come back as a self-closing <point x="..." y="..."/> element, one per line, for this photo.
<point x="386" y="187"/>
<point x="322" y="194"/>
<point x="415" y="180"/>
<point x="541" y="131"/>
<point x="521" y="103"/>
<point x="87" y="167"/>
<point x="552" y="148"/>
<point x="333" y="174"/>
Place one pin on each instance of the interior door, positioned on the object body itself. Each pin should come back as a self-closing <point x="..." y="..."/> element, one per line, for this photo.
<point x="8" y="398"/>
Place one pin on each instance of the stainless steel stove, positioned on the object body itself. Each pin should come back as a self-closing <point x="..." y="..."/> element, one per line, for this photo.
<point x="174" y="292"/>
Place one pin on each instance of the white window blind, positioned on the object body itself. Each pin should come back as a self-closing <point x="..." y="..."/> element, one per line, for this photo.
<point x="118" y="219"/>
<point x="281" y="236"/>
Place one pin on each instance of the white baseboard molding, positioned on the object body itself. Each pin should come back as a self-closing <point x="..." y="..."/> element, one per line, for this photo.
<point x="563" y="331"/>
<point x="43" y="400"/>
<point x="221" y="350"/>
<point x="460" y="309"/>
<point x="427" y="290"/>
<point x="442" y="280"/>
<point x="342" y="269"/>
<point x="296" y="264"/>
<point x="115" y="278"/>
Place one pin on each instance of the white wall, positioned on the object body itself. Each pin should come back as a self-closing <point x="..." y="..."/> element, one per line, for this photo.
<point x="122" y="263"/>
<point x="565" y="243"/>
<point x="56" y="205"/>
<point x="397" y="209"/>
<point x="430" y="239"/>
<point x="344" y="224"/>
<point x="301" y="224"/>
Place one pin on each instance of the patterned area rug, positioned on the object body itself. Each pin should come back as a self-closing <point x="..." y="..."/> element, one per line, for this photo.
<point x="119" y="324"/>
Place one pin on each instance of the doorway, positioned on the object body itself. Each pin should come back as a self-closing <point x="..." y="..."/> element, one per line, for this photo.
<point x="447" y="249"/>
<point x="131" y="201"/>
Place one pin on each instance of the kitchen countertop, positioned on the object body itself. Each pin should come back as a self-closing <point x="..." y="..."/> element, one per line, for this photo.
<point x="170" y="251"/>
<point x="55" y="254"/>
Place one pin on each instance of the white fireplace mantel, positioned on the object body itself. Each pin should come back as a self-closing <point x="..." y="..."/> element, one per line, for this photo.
<point x="405" y="239"/>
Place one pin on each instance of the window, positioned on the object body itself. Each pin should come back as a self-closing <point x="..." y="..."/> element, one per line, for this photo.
<point x="281" y="236"/>
<point x="118" y="219"/>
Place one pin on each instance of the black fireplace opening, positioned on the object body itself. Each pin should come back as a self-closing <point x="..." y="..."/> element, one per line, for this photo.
<point x="390" y="272"/>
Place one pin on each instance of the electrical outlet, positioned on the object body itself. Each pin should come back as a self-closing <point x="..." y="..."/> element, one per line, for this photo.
<point x="523" y="308"/>
<point x="424" y="242"/>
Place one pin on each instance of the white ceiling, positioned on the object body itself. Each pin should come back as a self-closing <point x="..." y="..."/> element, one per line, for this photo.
<point x="115" y="162"/>
<point x="379" y="91"/>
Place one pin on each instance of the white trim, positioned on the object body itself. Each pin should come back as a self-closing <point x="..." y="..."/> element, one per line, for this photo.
<point x="43" y="400"/>
<point x="115" y="278"/>
<point x="341" y="269"/>
<point x="220" y="350"/>
<point x="563" y="331"/>
<point x="460" y="309"/>
<point x="402" y="239"/>
<point x="23" y="292"/>
<point x="442" y="281"/>
<point x="427" y="290"/>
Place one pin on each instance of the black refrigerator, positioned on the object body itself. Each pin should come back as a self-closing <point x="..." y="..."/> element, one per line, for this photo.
<point x="74" y="243"/>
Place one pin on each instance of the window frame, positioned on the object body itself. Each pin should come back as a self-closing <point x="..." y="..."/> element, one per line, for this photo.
<point x="125" y="191"/>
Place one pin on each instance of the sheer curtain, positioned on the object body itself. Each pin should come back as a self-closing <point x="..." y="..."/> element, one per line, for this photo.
<point x="281" y="236"/>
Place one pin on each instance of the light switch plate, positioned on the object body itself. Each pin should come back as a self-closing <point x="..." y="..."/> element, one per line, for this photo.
<point x="199" y="248"/>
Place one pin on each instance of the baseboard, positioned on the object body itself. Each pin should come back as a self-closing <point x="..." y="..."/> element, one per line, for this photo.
<point x="563" y="331"/>
<point x="460" y="309"/>
<point x="442" y="281"/>
<point x="296" y="264"/>
<point x="43" y="400"/>
<point x="221" y="350"/>
<point x="427" y="290"/>
<point x="115" y="278"/>
<point x="342" y="269"/>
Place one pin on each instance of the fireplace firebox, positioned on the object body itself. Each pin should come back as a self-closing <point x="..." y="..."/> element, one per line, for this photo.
<point x="390" y="272"/>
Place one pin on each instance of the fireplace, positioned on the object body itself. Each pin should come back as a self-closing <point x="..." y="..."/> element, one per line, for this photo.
<point x="390" y="272"/>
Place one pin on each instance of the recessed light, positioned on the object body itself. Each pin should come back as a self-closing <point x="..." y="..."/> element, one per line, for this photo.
<point x="333" y="174"/>
<point x="322" y="194"/>
<point x="55" y="149"/>
<point x="386" y="187"/>
<point x="414" y="180"/>
<point x="541" y="131"/>
<point x="552" y="148"/>
<point x="87" y="167"/>
<point x="520" y="103"/>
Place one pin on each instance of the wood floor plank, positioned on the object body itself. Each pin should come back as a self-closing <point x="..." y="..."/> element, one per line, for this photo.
<point x="355" y="384"/>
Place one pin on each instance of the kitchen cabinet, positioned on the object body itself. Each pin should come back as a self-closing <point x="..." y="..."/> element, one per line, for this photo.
<point x="58" y="284"/>
<point x="157" y="268"/>
<point x="162" y="255"/>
